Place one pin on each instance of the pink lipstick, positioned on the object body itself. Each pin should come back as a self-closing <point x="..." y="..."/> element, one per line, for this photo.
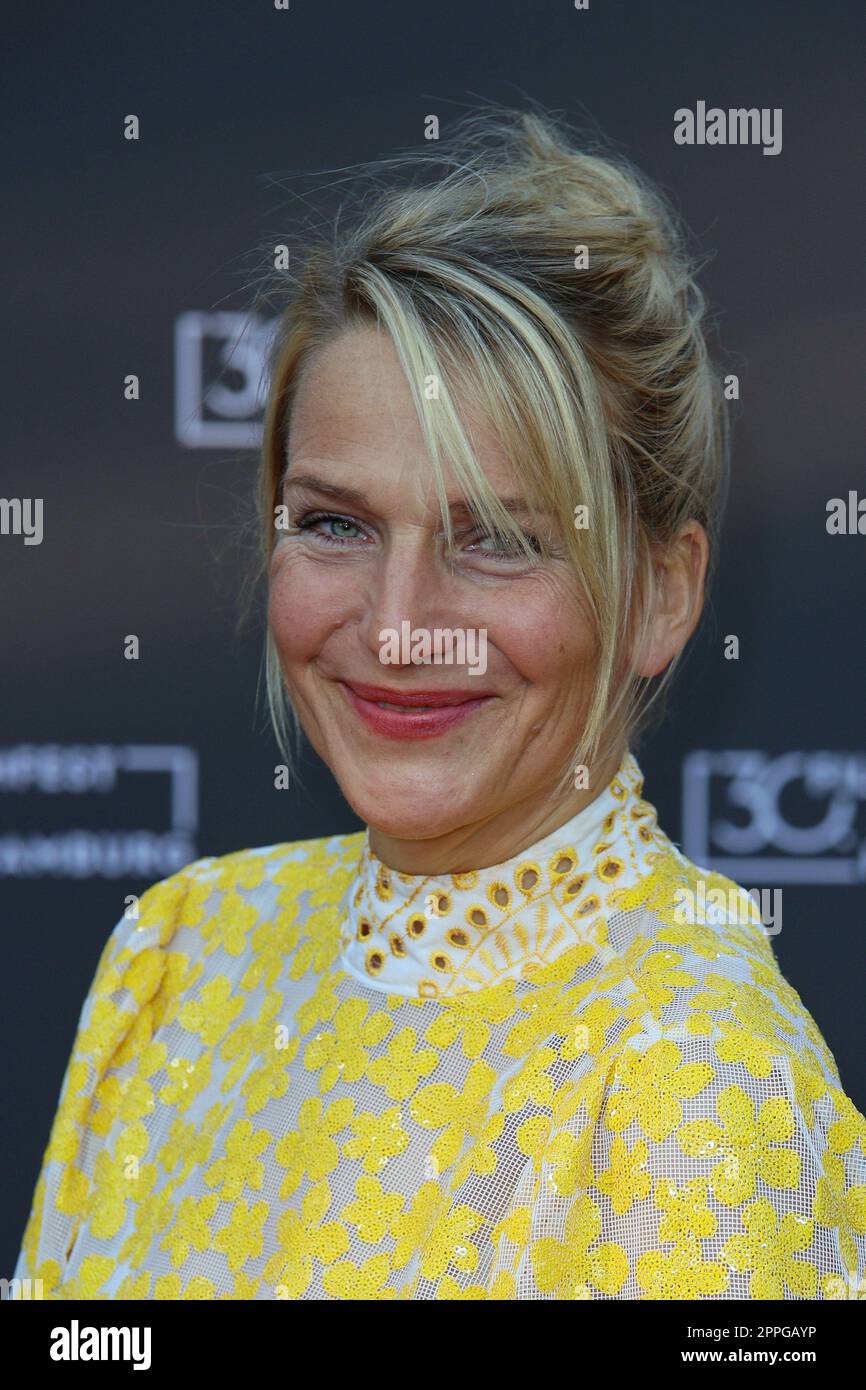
<point x="412" y="713"/>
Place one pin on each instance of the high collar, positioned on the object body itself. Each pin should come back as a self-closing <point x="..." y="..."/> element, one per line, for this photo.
<point x="431" y="935"/>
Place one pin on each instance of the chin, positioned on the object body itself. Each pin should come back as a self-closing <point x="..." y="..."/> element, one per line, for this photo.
<point x="419" y="808"/>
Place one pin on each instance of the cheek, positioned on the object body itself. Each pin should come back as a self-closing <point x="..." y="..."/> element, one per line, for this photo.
<point x="546" y="637"/>
<point x="304" y="606"/>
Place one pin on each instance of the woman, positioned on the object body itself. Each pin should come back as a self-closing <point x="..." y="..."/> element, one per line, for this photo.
<point x="489" y="1047"/>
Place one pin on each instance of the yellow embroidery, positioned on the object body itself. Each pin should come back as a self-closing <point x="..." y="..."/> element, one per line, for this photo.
<point x="550" y="1086"/>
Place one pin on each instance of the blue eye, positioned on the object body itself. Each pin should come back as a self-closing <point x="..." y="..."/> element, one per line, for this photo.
<point x="314" y="519"/>
<point x="334" y="529"/>
<point x="506" y="548"/>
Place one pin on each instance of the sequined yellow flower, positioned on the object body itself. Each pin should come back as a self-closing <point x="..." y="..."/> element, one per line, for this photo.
<point x="303" y="1236"/>
<point x="240" y="1166"/>
<point x="626" y="1179"/>
<point x="480" y="1156"/>
<point x="372" y="1210"/>
<point x="149" y="1217"/>
<point x="169" y="1289"/>
<point x="134" y="1288"/>
<point x="311" y="1148"/>
<point x="241" y="1238"/>
<point x="572" y="1267"/>
<point x="229" y="926"/>
<point x="118" y="1178"/>
<point x="364" y="1282"/>
<point x="450" y="1291"/>
<point x="686" y="1212"/>
<point x="320" y="944"/>
<point x="72" y="1112"/>
<point x="448" y="1241"/>
<point x="471" y="1015"/>
<point x="94" y="1272"/>
<point x="704" y="941"/>
<point x="240" y="870"/>
<point x="130" y="1099"/>
<point x="658" y="976"/>
<point x="840" y="1207"/>
<point x="748" y="1143"/>
<point x="179" y="900"/>
<point x="322" y="1004"/>
<point x="749" y="1007"/>
<point x="189" y="1144"/>
<point x="681" y="1273"/>
<point x="270" y="1081"/>
<point x="342" y="1055"/>
<point x="250" y="1036"/>
<point x="532" y="1083"/>
<point x="191" y="1227"/>
<point x="767" y="1251"/>
<point x="270" y="944"/>
<point x="849" y="1128"/>
<point x="402" y="1067"/>
<point x="588" y="1032"/>
<point x="411" y="1227"/>
<point x="243" y="1289"/>
<point x="454" y="1110"/>
<point x="377" y="1138"/>
<point x="810" y="1084"/>
<point x="650" y="1087"/>
<point x="550" y="1010"/>
<point x="212" y="1014"/>
<point x="735" y="1044"/>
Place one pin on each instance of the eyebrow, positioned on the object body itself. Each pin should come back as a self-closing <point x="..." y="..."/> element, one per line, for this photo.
<point x="353" y="498"/>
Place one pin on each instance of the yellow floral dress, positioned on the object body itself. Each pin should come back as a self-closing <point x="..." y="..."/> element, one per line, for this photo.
<point x="299" y="1074"/>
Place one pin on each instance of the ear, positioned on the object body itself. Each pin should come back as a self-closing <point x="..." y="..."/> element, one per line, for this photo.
<point x="676" y="601"/>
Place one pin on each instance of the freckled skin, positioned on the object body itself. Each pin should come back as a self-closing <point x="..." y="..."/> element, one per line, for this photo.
<point x="484" y="790"/>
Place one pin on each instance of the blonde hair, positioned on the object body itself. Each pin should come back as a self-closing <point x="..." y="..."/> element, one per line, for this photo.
<point x="597" y="380"/>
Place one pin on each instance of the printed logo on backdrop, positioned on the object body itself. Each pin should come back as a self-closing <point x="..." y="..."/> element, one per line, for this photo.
<point x="795" y="818"/>
<point x="220" y="384"/>
<point x="97" y="811"/>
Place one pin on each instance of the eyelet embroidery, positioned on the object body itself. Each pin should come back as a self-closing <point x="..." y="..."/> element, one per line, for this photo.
<point x="442" y="935"/>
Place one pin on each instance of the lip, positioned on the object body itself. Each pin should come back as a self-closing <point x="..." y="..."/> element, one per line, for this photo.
<point x="448" y="708"/>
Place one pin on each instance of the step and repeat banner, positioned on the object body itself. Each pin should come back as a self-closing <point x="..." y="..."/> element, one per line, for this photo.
<point x="134" y="735"/>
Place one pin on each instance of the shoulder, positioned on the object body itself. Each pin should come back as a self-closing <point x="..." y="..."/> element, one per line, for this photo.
<point x="707" y="983"/>
<point x="164" y="945"/>
<point x="702" y="1141"/>
<point x="700" y="955"/>
<point x="168" y="915"/>
<point x="188" y="896"/>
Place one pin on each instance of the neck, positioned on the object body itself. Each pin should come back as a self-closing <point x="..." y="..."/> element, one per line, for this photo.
<point x="493" y="839"/>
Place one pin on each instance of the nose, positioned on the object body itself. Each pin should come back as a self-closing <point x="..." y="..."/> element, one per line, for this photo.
<point x="405" y="584"/>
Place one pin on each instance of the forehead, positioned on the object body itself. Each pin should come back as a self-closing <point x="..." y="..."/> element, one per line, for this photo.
<point x="353" y="404"/>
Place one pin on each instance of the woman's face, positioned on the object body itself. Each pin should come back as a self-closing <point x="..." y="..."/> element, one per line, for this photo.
<point x="364" y="553"/>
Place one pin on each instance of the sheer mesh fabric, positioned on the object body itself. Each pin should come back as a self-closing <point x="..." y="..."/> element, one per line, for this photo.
<point x="650" y="1112"/>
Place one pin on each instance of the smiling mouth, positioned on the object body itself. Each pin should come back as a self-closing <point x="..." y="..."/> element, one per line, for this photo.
<point x="384" y="704"/>
<point x="411" y="714"/>
<point x="414" y="699"/>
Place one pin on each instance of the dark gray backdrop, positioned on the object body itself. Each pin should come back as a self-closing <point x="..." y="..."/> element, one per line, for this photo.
<point x="114" y="252"/>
